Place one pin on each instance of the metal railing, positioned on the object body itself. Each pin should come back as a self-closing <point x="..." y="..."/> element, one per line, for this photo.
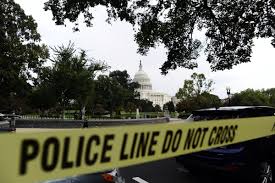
<point x="60" y="123"/>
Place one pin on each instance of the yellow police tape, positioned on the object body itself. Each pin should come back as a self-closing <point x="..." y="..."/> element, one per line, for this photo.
<point x="34" y="157"/>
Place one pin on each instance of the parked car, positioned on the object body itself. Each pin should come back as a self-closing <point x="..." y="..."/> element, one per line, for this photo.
<point x="251" y="160"/>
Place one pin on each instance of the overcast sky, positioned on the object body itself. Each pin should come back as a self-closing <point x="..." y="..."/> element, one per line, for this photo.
<point x="115" y="44"/>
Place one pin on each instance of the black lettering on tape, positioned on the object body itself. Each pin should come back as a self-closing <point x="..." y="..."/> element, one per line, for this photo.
<point x="167" y="141"/>
<point x="189" y="138"/>
<point x="211" y="138"/>
<point x="66" y="163"/>
<point x="203" y="135"/>
<point x="106" y="147"/>
<point x="228" y="134"/>
<point x="223" y="136"/>
<point x="196" y="138"/>
<point x="90" y="161"/>
<point x="26" y="155"/>
<point x="234" y="133"/>
<point x="153" y="142"/>
<point x="124" y="156"/>
<point x="231" y="133"/>
<point x="218" y="135"/>
<point x="49" y="162"/>
<point x="142" y="144"/>
<point x="79" y="151"/>
<point x="176" y="140"/>
<point x="134" y="146"/>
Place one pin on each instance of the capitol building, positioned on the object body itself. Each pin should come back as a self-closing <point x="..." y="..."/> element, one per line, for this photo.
<point x="146" y="92"/>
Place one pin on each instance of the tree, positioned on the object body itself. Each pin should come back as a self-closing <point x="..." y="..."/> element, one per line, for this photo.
<point x="130" y="107"/>
<point x="122" y="77"/>
<point x="71" y="77"/>
<point x="195" y="94"/>
<point x="208" y="100"/>
<point x="43" y="98"/>
<point x="229" y="26"/>
<point x="250" y="97"/>
<point x="157" y="108"/>
<point x="99" y="109"/>
<point x="204" y="100"/>
<point x="119" y="88"/>
<point x="103" y="92"/>
<point x="124" y="88"/>
<point x="20" y="53"/>
<point x="195" y="86"/>
<point x="170" y="106"/>
<point x="145" y="105"/>
<point x="271" y="94"/>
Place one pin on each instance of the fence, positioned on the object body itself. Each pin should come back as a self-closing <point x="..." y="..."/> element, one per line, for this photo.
<point x="70" y="116"/>
<point x="59" y="123"/>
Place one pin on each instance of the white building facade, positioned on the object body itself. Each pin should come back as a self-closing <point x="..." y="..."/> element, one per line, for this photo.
<point x="145" y="89"/>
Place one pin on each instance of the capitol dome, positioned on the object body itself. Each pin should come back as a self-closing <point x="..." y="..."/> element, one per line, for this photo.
<point x="142" y="78"/>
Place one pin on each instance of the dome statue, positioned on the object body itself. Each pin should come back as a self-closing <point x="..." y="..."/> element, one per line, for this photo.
<point x="142" y="78"/>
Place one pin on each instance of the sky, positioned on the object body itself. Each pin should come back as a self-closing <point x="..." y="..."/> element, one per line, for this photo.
<point x="114" y="43"/>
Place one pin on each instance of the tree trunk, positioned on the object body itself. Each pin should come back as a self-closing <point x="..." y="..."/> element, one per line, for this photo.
<point x="63" y="114"/>
<point x="82" y="112"/>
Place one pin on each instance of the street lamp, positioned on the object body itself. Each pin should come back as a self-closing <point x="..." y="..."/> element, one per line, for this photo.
<point x="228" y="94"/>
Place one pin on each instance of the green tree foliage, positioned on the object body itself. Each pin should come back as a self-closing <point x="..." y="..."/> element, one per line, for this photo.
<point x="271" y="94"/>
<point x="130" y="107"/>
<point x="103" y="90"/>
<point x="251" y="97"/>
<point x="121" y="77"/>
<point x="195" y="86"/>
<point x="157" y="108"/>
<point x="43" y="98"/>
<point x="145" y="105"/>
<point x="124" y="88"/>
<point x="195" y="94"/>
<point x="20" y="53"/>
<point x="170" y="106"/>
<point x="71" y="79"/>
<point x="229" y="25"/>
<point x="204" y="100"/>
<point x="99" y="109"/>
<point x="116" y="92"/>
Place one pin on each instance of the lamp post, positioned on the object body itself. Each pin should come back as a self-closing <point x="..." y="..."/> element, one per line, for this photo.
<point x="228" y="94"/>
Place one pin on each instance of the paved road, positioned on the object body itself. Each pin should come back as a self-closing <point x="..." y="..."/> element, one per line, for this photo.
<point x="164" y="171"/>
